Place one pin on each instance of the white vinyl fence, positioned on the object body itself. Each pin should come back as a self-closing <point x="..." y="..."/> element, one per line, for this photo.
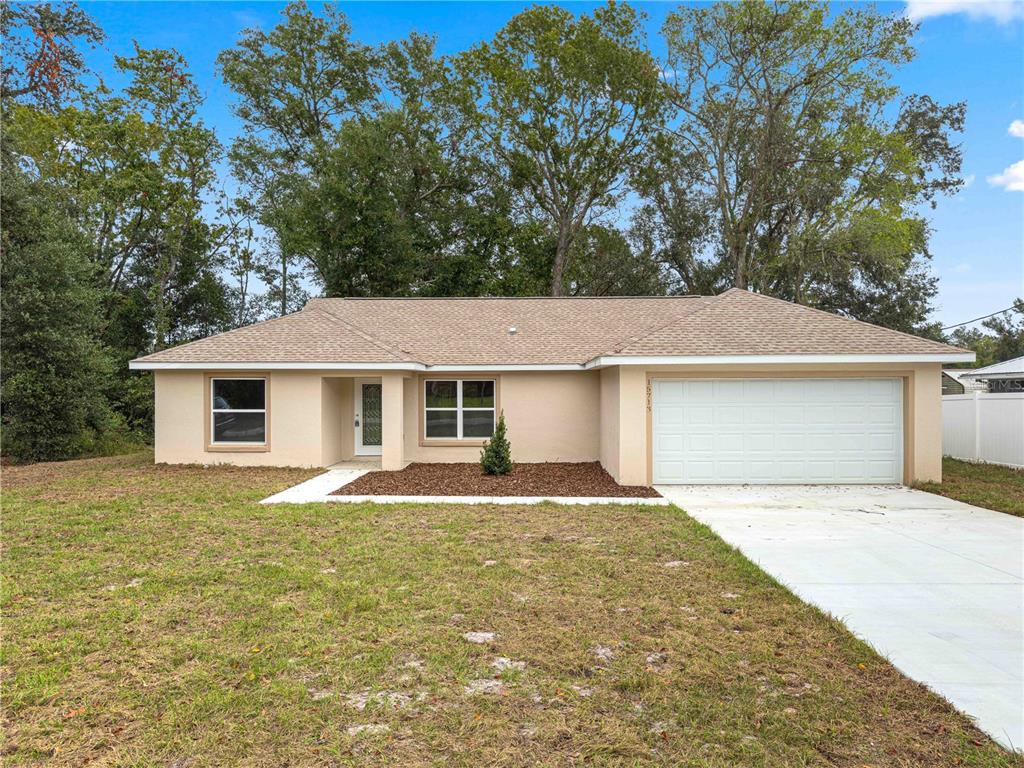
<point x="983" y="426"/>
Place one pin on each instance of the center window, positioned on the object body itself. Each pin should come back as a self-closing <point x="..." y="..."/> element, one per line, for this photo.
<point x="458" y="408"/>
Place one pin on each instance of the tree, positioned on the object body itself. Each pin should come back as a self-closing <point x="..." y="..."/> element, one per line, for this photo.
<point x="496" y="456"/>
<point x="297" y="84"/>
<point x="55" y="371"/>
<point x="42" y="51"/>
<point x="1004" y="342"/>
<point x="561" y="107"/>
<point x="604" y="264"/>
<point x="785" y="123"/>
<point x="134" y="171"/>
<point x="384" y="210"/>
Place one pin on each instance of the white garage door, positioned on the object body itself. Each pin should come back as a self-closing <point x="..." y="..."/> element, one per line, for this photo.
<point x="777" y="430"/>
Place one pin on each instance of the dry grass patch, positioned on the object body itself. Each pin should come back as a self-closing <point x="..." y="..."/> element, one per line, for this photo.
<point x="158" y="616"/>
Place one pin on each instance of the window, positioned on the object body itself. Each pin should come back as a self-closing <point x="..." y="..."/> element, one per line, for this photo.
<point x="238" y="411"/>
<point x="456" y="408"/>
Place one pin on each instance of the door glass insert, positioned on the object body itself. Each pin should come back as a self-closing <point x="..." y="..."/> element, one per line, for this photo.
<point x="371" y="414"/>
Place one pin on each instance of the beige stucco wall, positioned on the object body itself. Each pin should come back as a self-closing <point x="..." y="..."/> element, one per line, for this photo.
<point x="334" y="408"/>
<point x="609" y="438"/>
<point x="295" y="421"/>
<point x="552" y="416"/>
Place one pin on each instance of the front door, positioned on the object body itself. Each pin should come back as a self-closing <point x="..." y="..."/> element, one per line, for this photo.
<point x="367" y="417"/>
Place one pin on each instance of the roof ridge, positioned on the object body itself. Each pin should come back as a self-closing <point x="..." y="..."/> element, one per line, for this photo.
<point x="402" y="355"/>
<point x="619" y="345"/>
<point x="834" y="316"/>
<point x="268" y="321"/>
<point x="503" y="298"/>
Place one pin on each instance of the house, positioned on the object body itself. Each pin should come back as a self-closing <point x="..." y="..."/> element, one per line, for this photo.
<point x="735" y="388"/>
<point x="954" y="382"/>
<point x="1007" y="376"/>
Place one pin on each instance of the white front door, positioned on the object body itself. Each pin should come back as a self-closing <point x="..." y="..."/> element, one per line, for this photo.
<point x="777" y="431"/>
<point x="367" y="417"/>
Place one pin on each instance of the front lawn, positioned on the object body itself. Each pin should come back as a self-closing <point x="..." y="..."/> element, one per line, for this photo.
<point x="983" y="485"/>
<point x="159" y="616"/>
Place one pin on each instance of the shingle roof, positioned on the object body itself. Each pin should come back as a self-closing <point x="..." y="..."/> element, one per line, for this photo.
<point x="738" y="322"/>
<point x="1005" y="369"/>
<point x="549" y="331"/>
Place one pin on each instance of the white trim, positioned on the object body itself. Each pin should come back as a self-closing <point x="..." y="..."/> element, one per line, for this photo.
<point x="597" y="362"/>
<point x="358" y="448"/>
<point x="519" y="367"/>
<point x="143" y="365"/>
<point x="952" y="357"/>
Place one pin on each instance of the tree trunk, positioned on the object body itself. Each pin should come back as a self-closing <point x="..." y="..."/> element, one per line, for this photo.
<point x="561" y="258"/>
<point x="284" y="284"/>
<point x="739" y="262"/>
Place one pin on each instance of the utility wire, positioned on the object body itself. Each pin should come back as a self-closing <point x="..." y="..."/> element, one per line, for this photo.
<point x="983" y="317"/>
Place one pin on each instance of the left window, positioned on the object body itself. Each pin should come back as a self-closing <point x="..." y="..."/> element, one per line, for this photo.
<point x="238" y="411"/>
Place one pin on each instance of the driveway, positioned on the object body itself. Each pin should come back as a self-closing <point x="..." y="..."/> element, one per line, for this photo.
<point x="934" y="585"/>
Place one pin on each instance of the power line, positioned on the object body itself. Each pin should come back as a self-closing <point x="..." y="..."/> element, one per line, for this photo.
<point x="983" y="317"/>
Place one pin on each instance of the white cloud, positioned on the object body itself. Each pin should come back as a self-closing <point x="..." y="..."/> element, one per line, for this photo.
<point x="1003" y="11"/>
<point x="962" y="268"/>
<point x="1016" y="129"/>
<point x="968" y="180"/>
<point x="1012" y="179"/>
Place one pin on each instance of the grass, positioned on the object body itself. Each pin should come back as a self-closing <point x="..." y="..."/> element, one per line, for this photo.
<point x="983" y="485"/>
<point x="159" y="616"/>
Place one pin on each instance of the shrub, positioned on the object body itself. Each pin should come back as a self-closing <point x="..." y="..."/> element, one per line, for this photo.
<point x="496" y="457"/>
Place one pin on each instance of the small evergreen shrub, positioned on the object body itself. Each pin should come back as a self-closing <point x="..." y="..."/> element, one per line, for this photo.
<point x="496" y="457"/>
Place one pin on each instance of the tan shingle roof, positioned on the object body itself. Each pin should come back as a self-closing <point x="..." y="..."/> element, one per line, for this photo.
<point x="548" y="331"/>
<point x="738" y="322"/>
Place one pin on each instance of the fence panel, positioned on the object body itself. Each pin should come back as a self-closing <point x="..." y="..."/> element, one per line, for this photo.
<point x="983" y="426"/>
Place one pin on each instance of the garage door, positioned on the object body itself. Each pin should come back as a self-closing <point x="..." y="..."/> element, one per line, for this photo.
<point x="777" y="430"/>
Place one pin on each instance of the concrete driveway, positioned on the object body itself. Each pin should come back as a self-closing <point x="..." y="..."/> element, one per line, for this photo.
<point x="934" y="585"/>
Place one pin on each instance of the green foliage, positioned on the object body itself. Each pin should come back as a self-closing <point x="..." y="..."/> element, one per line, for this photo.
<point x="43" y="60"/>
<point x="1002" y="339"/>
<point x="770" y="150"/>
<point x="55" y="370"/>
<point x="562" y="106"/>
<point x="496" y="457"/>
<point x="806" y="161"/>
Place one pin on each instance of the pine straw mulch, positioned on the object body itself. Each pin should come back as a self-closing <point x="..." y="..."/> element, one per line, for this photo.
<point x="548" y="479"/>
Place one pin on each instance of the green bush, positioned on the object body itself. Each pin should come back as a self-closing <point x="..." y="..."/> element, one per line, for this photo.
<point x="496" y="457"/>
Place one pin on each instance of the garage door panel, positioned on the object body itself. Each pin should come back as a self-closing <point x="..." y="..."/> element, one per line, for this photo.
<point x="699" y="415"/>
<point x="777" y="431"/>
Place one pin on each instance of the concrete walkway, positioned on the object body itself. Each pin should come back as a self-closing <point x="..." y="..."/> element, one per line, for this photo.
<point x="319" y="489"/>
<point x="933" y="584"/>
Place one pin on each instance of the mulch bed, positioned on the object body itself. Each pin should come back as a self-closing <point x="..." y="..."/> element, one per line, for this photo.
<point x="550" y="479"/>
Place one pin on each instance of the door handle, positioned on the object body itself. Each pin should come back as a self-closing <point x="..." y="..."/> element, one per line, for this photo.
<point x="357" y="421"/>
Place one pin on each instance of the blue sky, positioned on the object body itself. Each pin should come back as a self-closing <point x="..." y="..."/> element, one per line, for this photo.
<point x="968" y="50"/>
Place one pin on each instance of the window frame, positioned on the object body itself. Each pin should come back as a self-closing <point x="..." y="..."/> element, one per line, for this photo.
<point x="459" y="438"/>
<point x="236" y="446"/>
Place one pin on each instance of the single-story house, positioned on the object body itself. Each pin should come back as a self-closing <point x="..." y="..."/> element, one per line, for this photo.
<point x="734" y="388"/>
<point x="1004" y="377"/>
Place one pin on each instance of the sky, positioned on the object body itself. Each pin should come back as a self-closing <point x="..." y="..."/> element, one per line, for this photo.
<point x="967" y="50"/>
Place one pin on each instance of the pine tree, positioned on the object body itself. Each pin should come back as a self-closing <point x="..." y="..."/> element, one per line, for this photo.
<point x="496" y="457"/>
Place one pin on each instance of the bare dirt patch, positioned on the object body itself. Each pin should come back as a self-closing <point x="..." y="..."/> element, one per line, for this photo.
<point x="549" y="479"/>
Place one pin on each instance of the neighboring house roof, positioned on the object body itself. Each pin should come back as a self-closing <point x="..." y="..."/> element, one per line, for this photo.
<point x="565" y="332"/>
<point x="968" y="384"/>
<point x="1008" y="369"/>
